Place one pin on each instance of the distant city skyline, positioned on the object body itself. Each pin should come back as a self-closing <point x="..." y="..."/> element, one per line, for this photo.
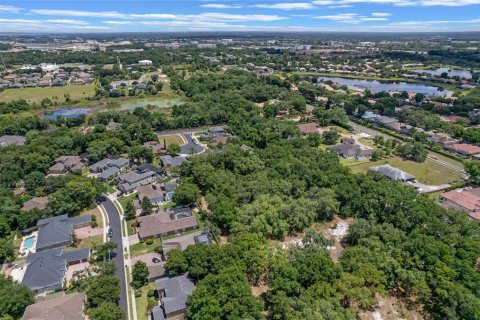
<point x="247" y="15"/>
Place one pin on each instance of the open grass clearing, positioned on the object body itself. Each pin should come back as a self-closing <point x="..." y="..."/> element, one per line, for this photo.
<point x="142" y="248"/>
<point x="429" y="172"/>
<point x="126" y="199"/>
<point x="38" y="94"/>
<point x="98" y="216"/>
<point x="171" y="138"/>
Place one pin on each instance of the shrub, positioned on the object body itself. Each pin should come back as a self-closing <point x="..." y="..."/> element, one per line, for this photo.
<point x="151" y="293"/>
<point x="138" y="293"/>
<point x="150" y="241"/>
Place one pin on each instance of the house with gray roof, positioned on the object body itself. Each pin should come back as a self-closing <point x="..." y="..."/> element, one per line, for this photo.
<point x="8" y="140"/>
<point x="173" y="293"/>
<point x="109" y="167"/>
<point x="45" y="270"/>
<point x="57" y="231"/>
<point x="169" y="162"/>
<point x="393" y="173"/>
<point x="39" y="203"/>
<point x="67" y="163"/>
<point x="131" y="180"/>
<point x="350" y="151"/>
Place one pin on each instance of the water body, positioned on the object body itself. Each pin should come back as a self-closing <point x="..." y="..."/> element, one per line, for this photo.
<point x="378" y="86"/>
<point x="451" y="72"/>
<point x="66" y="113"/>
<point x="150" y="103"/>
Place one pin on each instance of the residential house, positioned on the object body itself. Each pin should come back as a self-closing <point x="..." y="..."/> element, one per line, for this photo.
<point x="351" y="151"/>
<point x="57" y="231"/>
<point x="67" y="163"/>
<point x="156" y="147"/>
<point x="68" y="307"/>
<point x="7" y="140"/>
<point x="178" y="220"/>
<point x="109" y="167"/>
<point x="144" y="174"/>
<point x="112" y="126"/>
<point x="465" y="199"/>
<point x="307" y="128"/>
<point x="39" y="203"/>
<point x="442" y="138"/>
<point x="464" y="149"/>
<point x="216" y="131"/>
<point x="45" y="270"/>
<point x="173" y="293"/>
<point x="169" y="162"/>
<point x="393" y="173"/>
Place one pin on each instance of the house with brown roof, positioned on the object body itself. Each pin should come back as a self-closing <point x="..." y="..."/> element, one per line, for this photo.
<point x="177" y="220"/>
<point x="68" y="307"/>
<point x="39" y="203"/>
<point x="67" y="163"/>
<point x="307" y="128"/>
<point x="465" y="199"/>
<point x="155" y="146"/>
<point x="464" y="149"/>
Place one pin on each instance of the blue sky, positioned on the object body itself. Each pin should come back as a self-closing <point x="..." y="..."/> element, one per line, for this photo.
<point x="238" y="15"/>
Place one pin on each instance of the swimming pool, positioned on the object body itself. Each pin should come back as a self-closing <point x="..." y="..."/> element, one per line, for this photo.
<point x="28" y="243"/>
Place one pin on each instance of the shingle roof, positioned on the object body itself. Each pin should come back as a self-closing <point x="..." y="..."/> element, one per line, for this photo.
<point x="177" y="290"/>
<point x="311" y="127"/>
<point x="46" y="269"/>
<point x="162" y="223"/>
<point x="392" y="172"/>
<point x="35" y="203"/>
<point x="69" y="307"/>
<point x="12" y="140"/>
<point x="57" y="230"/>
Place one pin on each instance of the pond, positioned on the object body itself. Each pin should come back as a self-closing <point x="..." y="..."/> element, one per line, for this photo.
<point x="66" y="113"/>
<point x="451" y="72"/>
<point x="378" y="86"/>
<point x="150" y="103"/>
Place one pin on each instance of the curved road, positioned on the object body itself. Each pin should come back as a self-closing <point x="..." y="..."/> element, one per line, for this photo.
<point x="116" y="225"/>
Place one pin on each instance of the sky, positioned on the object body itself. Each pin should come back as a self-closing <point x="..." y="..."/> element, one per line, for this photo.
<point x="84" y="16"/>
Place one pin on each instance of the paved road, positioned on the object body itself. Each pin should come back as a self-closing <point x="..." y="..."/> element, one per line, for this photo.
<point x="115" y="224"/>
<point x="187" y="148"/>
<point x="371" y="132"/>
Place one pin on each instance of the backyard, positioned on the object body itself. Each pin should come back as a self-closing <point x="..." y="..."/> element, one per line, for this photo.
<point x="142" y="301"/>
<point x="171" y="138"/>
<point x="38" y="94"/>
<point x="429" y="172"/>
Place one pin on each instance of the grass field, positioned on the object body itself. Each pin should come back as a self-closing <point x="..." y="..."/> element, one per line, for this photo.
<point x="171" y="138"/>
<point x="143" y="248"/>
<point x="124" y="200"/>
<point x="142" y="302"/>
<point x="37" y="94"/>
<point x="367" y="142"/>
<point x="448" y="160"/>
<point x="429" y="172"/>
<point x="88" y="242"/>
<point x="97" y="214"/>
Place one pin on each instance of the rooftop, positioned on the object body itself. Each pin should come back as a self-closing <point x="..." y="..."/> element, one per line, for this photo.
<point x="393" y="173"/>
<point x="164" y="223"/>
<point x="310" y="127"/>
<point x="68" y="307"/>
<point x="176" y="291"/>
<point x="57" y="231"/>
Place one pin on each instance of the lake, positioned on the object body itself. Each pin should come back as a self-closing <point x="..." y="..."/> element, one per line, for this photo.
<point x="66" y="113"/>
<point x="155" y="103"/>
<point x="451" y="72"/>
<point x="378" y="86"/>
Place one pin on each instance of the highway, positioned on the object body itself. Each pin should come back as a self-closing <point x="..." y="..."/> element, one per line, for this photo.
<point x="116" y="225"/>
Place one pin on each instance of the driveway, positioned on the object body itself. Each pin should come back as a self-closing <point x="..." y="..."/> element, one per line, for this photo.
<point x="427" y="188"/>
<point x="87" y="232"/>
<point x="115" y="224"/>
<point x="189" y="146"/>
<point x="147" y="258"/>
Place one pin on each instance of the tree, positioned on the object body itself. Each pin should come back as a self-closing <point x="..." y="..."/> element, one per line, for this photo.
<point x="413" y="151"/>
<point x="106" y="311"/>
<point x="472" y="167"/>
<point x="186" y="194"/>
<point x="176" y="263"/>
<point x="104" y="251"/>
<point x="140" y="274"/>
<point x="130" y="211"/>
<point x="7" y="252"/>
<point x="377" y="154"/>
<point x="226" y="295"/>
<point x="147" y="207"/>
<point x="330" y="137"/>
<point x="173" y="149"/>
<point x="14" y="298"/>
<point x="103" y="288"/>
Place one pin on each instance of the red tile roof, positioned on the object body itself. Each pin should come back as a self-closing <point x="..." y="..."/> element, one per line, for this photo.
<point x="464" y="148"/>
<point x="310" y="127"/>
<point x="466" y="199"/>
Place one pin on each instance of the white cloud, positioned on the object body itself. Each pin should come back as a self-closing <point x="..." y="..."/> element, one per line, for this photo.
<point x="117" y="22"/>
<point x="66" y="21"/>
<point x="354" y="17"/>
<point x="9" y="9"/>
<point x="402" y="3"/>
<point x="381" y="14"/>
<point x="220" y="6"/>
<point x="78" y="13"/>
<point x="287" y="6"/>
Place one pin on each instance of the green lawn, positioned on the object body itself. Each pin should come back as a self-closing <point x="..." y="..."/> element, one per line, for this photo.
<point x="367" y="142"/>
<point x="95" y="212"/>
<point x="142" y="302"/>
<point x="448" y="160"/>
<point x="37" y="94"/>
<point x="143" y="248"/>
<point x="171" y="138"/>
<point x="124" y="200"/>
<point x="429" y="172"/>
<point x="352" y="162"/>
